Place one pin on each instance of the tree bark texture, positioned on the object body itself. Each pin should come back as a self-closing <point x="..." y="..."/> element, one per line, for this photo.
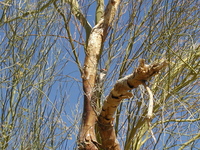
<point x="87" y="138"/>
<point x="117" y="94"/>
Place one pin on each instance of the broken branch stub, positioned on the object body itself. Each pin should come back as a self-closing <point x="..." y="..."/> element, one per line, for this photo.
<point x="123" y="85"/>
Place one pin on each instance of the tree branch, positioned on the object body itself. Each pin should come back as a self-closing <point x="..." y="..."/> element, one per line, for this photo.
<point x="78" y="14"/>
<point x="30" y="12"/>
<point x="99" y="10"/>
<point x="69" y="36"/>
<point x="120" y="92"/>
<point x="190" y="141"/>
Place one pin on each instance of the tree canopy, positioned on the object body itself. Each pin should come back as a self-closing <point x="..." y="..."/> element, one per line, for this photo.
<point x="44" y="52"/>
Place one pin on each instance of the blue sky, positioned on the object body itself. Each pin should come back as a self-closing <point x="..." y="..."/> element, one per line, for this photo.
<point x="68" y="83"/>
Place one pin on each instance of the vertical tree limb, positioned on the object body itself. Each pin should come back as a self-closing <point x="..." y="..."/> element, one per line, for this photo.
<point x="99" y="10"/>
<point x="87" y="137"/>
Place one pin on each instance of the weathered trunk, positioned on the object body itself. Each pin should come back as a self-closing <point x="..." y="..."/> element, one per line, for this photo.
<point x="87" y="138"/>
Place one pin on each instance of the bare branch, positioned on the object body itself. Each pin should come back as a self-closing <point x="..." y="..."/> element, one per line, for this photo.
<point x="190" y="141"/>
<point x="99" y="10"/>
<point x="25" y="14"/>
<point x="120" y="92"/>
<point x="69" y="37"/>
<point x="121" y="88"/>
<point x="77" y="12"/>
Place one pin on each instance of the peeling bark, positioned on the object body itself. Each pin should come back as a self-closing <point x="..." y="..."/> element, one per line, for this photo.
<point x="117" y="94"/>
<point x="87" y="138"/>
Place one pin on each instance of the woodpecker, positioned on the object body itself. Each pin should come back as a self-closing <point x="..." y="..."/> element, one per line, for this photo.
<point x="102" y="76"/>
<point x="100" y="80"/>
<point x="96" y="98"/>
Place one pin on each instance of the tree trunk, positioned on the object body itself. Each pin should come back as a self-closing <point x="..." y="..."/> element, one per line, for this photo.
<point x="87" y="138"/>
